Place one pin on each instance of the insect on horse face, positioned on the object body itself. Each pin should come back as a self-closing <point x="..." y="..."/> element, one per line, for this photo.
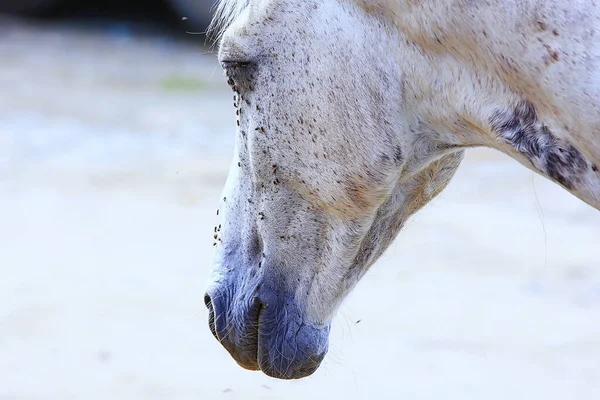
<point x="316" y="191"/>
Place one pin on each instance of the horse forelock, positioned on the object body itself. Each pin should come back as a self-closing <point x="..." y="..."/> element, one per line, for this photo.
<point x="226" y="11"/>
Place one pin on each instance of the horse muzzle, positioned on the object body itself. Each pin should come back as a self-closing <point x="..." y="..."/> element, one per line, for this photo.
<point x="265" y="330"/>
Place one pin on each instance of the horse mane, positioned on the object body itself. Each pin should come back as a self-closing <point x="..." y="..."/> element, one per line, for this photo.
<point x="226" y="11"/>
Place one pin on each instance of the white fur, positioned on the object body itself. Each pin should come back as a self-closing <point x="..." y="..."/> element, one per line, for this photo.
<point x="341" y="87"/>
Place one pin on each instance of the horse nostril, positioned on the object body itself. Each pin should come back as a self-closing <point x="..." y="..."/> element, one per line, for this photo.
<point x="211" y="315"/>
<point x="255" y="309"/>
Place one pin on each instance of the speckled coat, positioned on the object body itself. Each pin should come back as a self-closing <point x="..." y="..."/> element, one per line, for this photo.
<point x="354" y="114"/>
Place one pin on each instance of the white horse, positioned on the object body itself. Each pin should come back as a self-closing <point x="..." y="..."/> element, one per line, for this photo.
<point x="352" y="115"/>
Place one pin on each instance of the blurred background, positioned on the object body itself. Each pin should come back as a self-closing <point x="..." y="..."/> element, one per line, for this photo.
<point x="116" y="133"/>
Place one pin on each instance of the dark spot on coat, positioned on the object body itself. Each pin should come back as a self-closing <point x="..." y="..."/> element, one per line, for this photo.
<point x="398" y="156"/>
<point x="553" y="54"/>
<point x="595" y="168"/>
<point x="521" y="128"/>
<point x="561" y="164"/>
<point x="542" y="25"/>
<point x="384" y="159"/>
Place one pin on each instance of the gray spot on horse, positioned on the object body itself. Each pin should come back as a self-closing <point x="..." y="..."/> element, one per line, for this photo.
<point x="522" y="129"/>
<point x="398" y="155"/>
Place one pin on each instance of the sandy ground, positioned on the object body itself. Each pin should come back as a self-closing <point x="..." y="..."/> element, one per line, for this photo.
<point x="113" y="150"/>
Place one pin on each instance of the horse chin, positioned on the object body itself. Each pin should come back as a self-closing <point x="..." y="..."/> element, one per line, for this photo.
<point x="294" y="352"/>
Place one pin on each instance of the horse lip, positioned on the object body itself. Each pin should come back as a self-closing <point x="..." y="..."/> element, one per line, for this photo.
<point x="245" y="356"/>
<point x="245" y="353"/>
<point x="249" y="367"/>
<point x="249" y="348"/>
<point x="252" y="363"/>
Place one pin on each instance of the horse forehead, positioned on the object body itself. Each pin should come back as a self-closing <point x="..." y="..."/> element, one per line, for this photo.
<point x="259" y="15"/>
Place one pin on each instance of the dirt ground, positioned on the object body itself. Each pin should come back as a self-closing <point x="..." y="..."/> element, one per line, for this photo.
<point x="113" y="151"/>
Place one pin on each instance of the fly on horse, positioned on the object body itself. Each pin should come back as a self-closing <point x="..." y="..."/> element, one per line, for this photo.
<point x="354" y="114"/>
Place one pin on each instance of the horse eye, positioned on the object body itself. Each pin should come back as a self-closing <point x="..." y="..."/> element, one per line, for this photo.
<point x="228" y="65"/>
<point x="240" y="75"/>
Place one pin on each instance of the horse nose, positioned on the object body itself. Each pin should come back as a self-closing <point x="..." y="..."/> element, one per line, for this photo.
<point x="217" y="314"/>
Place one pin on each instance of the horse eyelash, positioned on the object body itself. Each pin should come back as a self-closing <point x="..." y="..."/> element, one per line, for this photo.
<point x="227" y="65"/>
